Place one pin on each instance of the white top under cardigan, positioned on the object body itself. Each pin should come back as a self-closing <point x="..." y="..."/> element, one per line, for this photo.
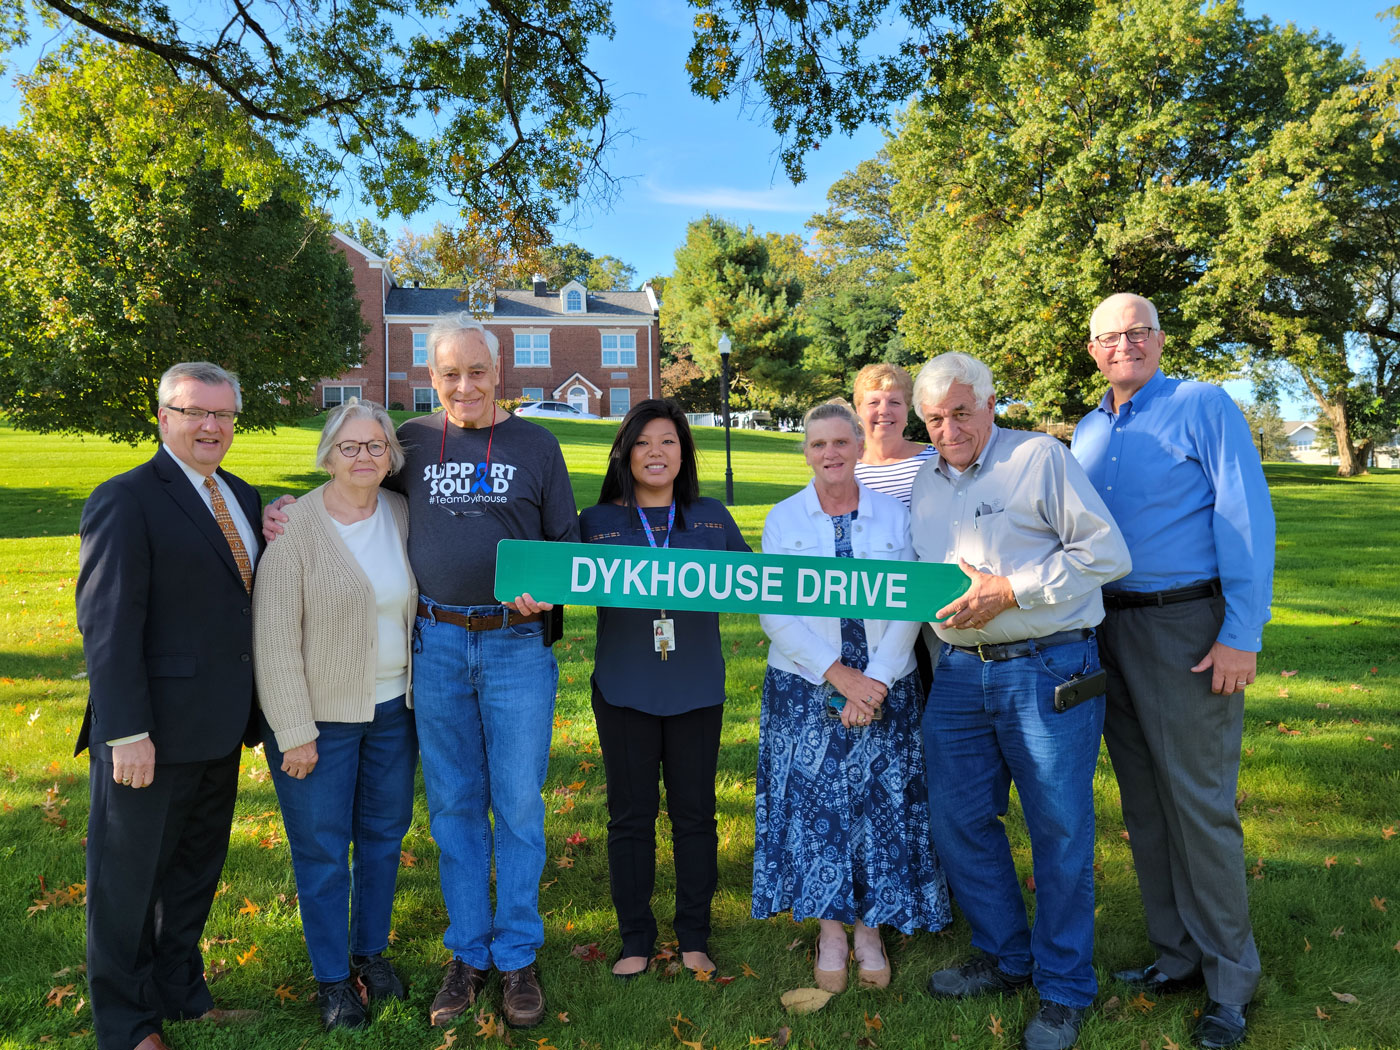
<point x="316" y="640"/>
<point x="808" y="645"/>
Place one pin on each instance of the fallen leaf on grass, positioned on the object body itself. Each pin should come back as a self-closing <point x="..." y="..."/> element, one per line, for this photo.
<point x="1168" y="1043"/>
<point x="544" y="1044"/>
<point x="748" y="971"/>
<point x="805" y="1000"/>
<point x="249" y="908"/>
<point x="565" y="861"/>
<point x="59" y="993"/>
<point x="873" y="1024"/>
<point x="1337" y="934"/>
<point x="578" y="838"/>
<point x="252" y="950"/>
<point x="1307" y="945"/>
<point x="1142" y="1004"/>
<point x="781" y="1036"/>
<point x="1345" y="997"/>
<point x="407" y="859"/>
<point x="1330" y="862"/>
<point x="1258" y="870"/>
<point x="703" y="975"/>
<point x="563" y="1017"/>
<point x="285" y="994"/>
<point x="588" y="952"/>
<point x="1288" y="674"/>
<point x="995" y="1027"/>
<point x="448" y="1038"/>
<point x="1378" y="903"/>
<point x="1322" y="1016"/>
<point x="486" y="1026"/>
<point x="587" y="766"/>
<point x="795" y="944"/>
<point x="693" y="1044"/>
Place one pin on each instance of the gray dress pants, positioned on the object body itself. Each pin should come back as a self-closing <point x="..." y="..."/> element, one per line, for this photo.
<point x="1175" y="747"/>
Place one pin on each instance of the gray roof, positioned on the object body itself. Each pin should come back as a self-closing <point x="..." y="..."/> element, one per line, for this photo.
<point x="510" y="302"/>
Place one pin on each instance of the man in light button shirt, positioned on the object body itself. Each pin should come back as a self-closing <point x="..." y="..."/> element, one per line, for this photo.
<point x="1174" y="461"/>
<point x="1020" y="516"/>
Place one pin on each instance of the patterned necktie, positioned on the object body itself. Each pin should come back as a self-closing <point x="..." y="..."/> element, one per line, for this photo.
<point x="230" y="531"/>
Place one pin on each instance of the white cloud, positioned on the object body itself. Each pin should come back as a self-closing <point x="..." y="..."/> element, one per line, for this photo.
<point x="728" y="198"/>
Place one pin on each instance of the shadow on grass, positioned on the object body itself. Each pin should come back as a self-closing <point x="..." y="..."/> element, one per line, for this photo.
<point x="63" y="663"/>
<point x="31" y="513"/>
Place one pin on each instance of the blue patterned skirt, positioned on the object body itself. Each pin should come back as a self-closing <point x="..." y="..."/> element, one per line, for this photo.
<point x="841" y="815"/>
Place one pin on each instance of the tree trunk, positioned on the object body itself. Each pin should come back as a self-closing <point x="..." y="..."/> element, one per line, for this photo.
<point x="1351" y="460"/>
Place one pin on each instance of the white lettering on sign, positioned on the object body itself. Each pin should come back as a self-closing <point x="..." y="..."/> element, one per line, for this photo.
<point x="746" y="583"/>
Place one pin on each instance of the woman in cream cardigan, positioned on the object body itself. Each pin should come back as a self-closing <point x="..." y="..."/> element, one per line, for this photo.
<point x="333" y="608"/>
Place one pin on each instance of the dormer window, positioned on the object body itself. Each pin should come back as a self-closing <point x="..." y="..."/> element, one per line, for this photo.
<point x="573" y="298"/>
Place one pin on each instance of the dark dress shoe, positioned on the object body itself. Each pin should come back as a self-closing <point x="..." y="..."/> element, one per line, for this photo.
<point x="522" y="998"/>
<point x="1153" y="981"/>
<point x="979" y="977"/>
<point x="459" y="990"/>
<point x="152" y="1042"/>
<point x="1221" y="1025"/>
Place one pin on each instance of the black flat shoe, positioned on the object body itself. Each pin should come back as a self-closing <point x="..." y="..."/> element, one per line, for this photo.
<point x="1153" y="981"/>
<point x="1222" y="1025"/>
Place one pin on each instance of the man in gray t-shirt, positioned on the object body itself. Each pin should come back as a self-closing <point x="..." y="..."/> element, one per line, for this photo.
<point x="484" y="680"/>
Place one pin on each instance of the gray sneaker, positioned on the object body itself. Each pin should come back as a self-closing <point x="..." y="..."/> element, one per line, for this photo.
<point x="982" y="976"/>
<point x="1054" y="1027"/>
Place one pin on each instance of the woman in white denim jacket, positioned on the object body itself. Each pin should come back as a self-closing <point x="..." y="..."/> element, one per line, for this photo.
<point x="841" y="805"/>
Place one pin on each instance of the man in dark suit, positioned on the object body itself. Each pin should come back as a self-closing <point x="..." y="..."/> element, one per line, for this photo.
<point x="165" y="570"/>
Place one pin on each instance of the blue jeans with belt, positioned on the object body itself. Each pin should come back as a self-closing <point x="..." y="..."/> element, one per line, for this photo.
<point x="986" y="721"/>
<point x="360" y="794"/>
<point x="485" y="707"/>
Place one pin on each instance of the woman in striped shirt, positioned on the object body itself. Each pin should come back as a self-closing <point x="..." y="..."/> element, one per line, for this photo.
<point x="890" y="461"/>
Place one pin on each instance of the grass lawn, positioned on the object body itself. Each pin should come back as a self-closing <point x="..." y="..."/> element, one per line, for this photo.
<point x="1320" y="798"/>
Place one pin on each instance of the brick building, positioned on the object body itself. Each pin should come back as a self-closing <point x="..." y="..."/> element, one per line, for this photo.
<point x="599" y="351"/>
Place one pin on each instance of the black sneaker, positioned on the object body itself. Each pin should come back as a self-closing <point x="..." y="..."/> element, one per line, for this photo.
<point x="1054" y="1027"/>
<point x="982" y="976"/>
<point x="379" y="977"/>
<point x="341" y="1005"/>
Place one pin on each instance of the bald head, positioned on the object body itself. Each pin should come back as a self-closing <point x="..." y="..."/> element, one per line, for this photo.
<point x="1114" y="305"/>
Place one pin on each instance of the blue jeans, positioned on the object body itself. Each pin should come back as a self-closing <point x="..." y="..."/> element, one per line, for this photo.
<point x="986" y="722"/>
<point x="360" y="794"/>
<point x="485" y="707"/>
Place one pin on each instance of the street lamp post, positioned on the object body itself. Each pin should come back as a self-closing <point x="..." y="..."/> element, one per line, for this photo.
<point x="724" y="347"/>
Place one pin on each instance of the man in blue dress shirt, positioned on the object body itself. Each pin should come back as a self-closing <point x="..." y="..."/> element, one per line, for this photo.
<point x="1174" y="462"/>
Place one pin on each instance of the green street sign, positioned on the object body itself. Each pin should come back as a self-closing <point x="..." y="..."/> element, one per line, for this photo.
<point x="724" y="581"/>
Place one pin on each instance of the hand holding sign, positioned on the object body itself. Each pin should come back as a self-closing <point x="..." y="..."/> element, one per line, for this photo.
<point x="988" y="597"/>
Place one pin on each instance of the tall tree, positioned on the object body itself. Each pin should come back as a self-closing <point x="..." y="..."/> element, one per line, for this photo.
<point x="725" y="282"/>
<point x="1266" y="425"/>
<point x="823" y="66"/>
<point x="1235" y="171"/>
<point x="142" y="227"/>
<point x="418" y="259"/>
<point x="492" y="103"/>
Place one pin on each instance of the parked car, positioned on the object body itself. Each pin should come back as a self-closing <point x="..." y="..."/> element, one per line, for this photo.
<point x="552" y="410"/>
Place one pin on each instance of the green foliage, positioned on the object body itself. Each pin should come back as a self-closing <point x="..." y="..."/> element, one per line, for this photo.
<point x="370" y="234"/>
<point x="814" y="68"/>
<point x="419" y="258"/>
<point x="144" y="226"/>
<point x="490" y="103"/>
<point x="1267" y="430"/>
<point x="727" y="280"/>
<point x="559" y="264"/>
<point x="1118" y="157"/>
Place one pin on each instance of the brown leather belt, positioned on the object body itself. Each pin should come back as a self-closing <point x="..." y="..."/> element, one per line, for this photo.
<point x="494" y="622"/>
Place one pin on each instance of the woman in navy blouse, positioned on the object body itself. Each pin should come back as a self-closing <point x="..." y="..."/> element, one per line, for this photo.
<point x="658" y="688"/>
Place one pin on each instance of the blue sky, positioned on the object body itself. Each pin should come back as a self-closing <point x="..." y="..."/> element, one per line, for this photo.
<point x="684" y="156"/>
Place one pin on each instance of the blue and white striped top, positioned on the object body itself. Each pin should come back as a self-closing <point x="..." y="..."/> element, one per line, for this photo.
<point x="895" y="479"/>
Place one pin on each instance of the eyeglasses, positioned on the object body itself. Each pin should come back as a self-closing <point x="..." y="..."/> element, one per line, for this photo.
<point x="1136" y="336"/>
<point x="351" y="449"/>
<point x="199" y="415"/>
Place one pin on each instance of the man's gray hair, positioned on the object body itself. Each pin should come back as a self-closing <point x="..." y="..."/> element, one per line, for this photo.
<point x="343" y="413"/>
<point x="201" y="372"/>
<point x="836" y="408"/>
<point x="941" y="373"/>
<point x="450" y="326"/>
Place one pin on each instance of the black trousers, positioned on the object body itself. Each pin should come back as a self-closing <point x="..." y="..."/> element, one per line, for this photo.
<point x="638" y="750"/>
<point x="153" y="861"/>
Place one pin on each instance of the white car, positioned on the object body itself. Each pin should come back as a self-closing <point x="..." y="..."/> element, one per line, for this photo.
<point x="552" y="410"/>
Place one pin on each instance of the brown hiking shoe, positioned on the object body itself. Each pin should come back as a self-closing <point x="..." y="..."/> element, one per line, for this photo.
<point x="459" y="990"/>
<point x="522" y="998"/>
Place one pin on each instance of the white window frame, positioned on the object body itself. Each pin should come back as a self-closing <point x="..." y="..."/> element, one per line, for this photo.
<point x="431" y="395"/>
<point x="613" y="392"/>
<point x="345" y="393"/>
<point x="532" y="393"/>
<point x="420" y="353"/>
<point x="619" y="354"/>
<point x="573" y="301"/>
<point x="532" y="355"/>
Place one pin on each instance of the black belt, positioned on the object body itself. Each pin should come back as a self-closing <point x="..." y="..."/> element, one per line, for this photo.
<point x="1011" y="650"/>
<point x="1139" y="599"/>
<point x="492" y="622"/>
